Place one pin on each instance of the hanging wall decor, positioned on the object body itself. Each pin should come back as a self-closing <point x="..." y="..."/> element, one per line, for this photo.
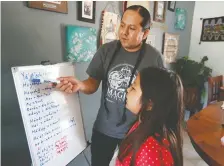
<point x="212" y="29"/>
<point x="180" y="21"/>
<point x="55" y="6"/>
<point x="109" y="28"/>
<point x="171" y="5"/>
<point x="110" y="23"/>
<point x="145" y="4"/>
<point x="159" y="11"/>
<point x="81" y="43"/>
<point x="170" y="47"/>
<point x="86" y="11"/>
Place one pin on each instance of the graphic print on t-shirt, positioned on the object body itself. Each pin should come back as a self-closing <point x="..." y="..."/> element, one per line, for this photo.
<point x="118" y="80"/>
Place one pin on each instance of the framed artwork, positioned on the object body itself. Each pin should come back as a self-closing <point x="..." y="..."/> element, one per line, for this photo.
<point x="212" y="29"/>
<point x="170" y="47"/>
<point x="81" y="43"/>
<point x="171" y="5"/>
<point x="145" y="4"/>
<point x="55" y="6"/>
<point x="180" y="20"/>
<point x="159" y="11"/>
<point x="109" y="28"/>
<point x="86" y="11"/>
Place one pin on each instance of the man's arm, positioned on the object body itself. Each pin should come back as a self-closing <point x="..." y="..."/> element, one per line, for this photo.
<point x="71" y="85"/>
<point x="90" y="85"/>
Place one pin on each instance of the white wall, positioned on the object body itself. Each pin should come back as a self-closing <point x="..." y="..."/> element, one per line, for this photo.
<point x="214" y="50"/>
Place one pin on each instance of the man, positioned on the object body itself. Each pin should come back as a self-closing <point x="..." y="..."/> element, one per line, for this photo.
<point x="116" y="64"/>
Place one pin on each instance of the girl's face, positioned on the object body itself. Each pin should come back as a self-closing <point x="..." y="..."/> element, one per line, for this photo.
<point x="134" y="94"/>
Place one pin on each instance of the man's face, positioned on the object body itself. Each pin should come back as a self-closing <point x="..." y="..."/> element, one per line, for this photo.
<point x="130" y="30"/>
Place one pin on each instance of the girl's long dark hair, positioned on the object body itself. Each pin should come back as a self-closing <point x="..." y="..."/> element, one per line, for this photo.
<point x="146" y="21"/>
<point x="164" y="89"/>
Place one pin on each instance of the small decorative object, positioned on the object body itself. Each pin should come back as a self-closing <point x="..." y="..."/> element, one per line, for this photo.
<point x="151" y="39"/>
<point x="170" y="47"/>
<point x="81" y="43"/>
<point x="212" y="29"/>
<point x="159" y="11"/>
<point x="56" y="6"/>
<point x="145" y="4"/>
<point x="86" y="11"/>
<point x="171" y="5"/>
<point x="180" y="18"/>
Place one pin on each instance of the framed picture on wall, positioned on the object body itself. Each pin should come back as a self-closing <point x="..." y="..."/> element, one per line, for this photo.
<point x="145" y="4"/>
<point x="159" y="11"/>
<point x="86" y="11"/>
<point x="170" y="47"/>
<point x="180" y="18"/>
<point x="171" y="5"/>
<point x="55" y="6"/>
<point x="81" y="43"/>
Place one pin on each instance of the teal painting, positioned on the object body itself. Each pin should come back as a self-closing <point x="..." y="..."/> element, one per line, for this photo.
<point x="180" y="22"/>
<point x="81" y="43"/>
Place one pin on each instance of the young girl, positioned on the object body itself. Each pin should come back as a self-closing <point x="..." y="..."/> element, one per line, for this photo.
<point x="155" y="139"/>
